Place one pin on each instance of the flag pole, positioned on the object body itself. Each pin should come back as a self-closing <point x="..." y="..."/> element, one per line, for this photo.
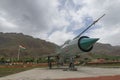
<point x="18" y="56"/>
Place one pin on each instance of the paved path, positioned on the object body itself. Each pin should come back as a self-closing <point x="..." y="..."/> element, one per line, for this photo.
<point x="46" y="74"/>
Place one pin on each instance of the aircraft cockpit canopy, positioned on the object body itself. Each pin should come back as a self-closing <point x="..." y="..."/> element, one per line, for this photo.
<point x="67" y="42"/>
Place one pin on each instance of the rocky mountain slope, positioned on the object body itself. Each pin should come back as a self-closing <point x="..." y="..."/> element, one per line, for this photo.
<point x="108" y="49"/>
<point x="9" y="44"/>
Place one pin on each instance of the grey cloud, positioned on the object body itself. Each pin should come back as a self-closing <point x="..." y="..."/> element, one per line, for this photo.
<point x="41" y="16"/>
<point x="29" y="15"/>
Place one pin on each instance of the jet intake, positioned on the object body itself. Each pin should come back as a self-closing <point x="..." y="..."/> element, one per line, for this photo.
<point x="86" y="44"/>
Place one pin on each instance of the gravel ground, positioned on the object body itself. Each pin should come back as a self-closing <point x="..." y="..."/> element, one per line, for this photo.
<point x="47" y="74"/>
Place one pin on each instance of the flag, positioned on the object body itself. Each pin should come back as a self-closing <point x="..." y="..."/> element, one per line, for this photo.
<point x="21" y="47"/>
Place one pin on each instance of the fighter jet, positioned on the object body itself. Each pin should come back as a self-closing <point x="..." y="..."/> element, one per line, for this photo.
<point x="71" y="48"/>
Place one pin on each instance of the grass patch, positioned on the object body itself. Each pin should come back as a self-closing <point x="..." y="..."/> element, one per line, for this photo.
<point x="7" y="70"/>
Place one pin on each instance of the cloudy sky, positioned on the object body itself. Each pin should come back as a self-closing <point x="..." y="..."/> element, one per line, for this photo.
<point x="60" y="20"/>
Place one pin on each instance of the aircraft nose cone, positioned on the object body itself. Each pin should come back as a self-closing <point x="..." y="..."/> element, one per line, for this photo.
<point x="86" y="43"/>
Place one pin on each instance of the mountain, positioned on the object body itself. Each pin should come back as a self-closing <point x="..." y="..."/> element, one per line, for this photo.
<point x="9" y="44"/>
<point x="107" y="49"/>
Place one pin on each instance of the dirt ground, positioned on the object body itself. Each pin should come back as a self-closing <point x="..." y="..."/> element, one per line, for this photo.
<point x="117" y="77"/>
